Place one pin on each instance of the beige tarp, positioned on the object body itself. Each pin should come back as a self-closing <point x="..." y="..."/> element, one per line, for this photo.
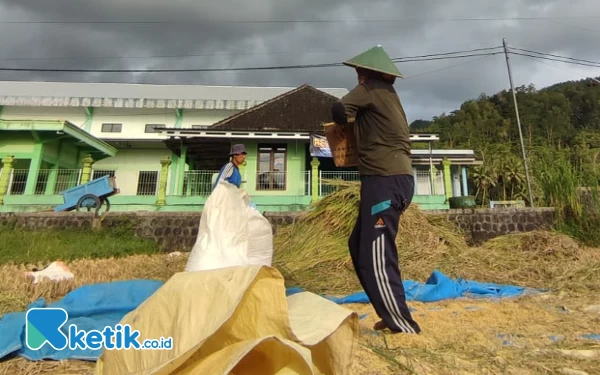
<point x="237" y="320"/>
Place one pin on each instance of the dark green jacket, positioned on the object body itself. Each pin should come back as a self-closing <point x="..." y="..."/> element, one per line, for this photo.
<point x="380" y="127"/>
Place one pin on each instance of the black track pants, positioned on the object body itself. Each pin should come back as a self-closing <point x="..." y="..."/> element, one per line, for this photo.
<point x="373" y="247"/>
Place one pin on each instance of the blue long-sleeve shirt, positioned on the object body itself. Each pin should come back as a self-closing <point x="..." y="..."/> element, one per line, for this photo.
<point x="230" y="173"/>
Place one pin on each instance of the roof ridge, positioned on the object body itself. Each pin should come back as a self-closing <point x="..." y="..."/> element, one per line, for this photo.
<point x="321" y="91"/>
<point x="304" y="86"/>
<point x="258" y="106"/>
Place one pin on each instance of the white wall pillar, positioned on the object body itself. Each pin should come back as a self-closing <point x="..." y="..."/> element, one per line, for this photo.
<point x="456" y="181"/>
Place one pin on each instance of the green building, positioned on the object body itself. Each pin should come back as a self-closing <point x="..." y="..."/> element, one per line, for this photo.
<point x="165" y="144"/>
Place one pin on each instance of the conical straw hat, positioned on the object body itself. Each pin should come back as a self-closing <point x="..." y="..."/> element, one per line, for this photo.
<point x="375" y="59"/>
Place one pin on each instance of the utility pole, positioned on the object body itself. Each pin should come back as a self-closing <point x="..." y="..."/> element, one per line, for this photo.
<point x="514" y="94"/>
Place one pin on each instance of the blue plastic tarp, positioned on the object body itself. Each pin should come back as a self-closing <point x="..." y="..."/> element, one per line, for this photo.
<point x="96" y="306"/>
<point x="90" y="307"/>
<point x="440" y="287"/>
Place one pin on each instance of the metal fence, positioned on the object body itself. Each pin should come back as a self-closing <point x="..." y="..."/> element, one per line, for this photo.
<point x="49" y="181"/>
<point x="428" y="183"/>
<point x="55" y="181"/>
<point x="326" y="187"/>
<point x="198" y="183"/>
<point x="97" y="173"/>
<point x="18" y="181"/>
<point x="307" y="182"/>
<point x="423" y="181"/>
<point x="271" y="181"/>
<point x="130" y="182"/>
<point x="290" y="183"/>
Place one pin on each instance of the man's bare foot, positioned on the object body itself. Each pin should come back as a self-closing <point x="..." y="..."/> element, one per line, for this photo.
<point x="379" y="326"/>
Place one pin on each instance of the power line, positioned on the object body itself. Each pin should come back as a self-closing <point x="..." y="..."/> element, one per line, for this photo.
<point x="576" y="27"/>
<point x="447" y="57"/>
<point x="429" y="57"/>
<point x="284" y="67"/>
<point x="553" y="59"/>
<point x="216" y="54"/>
<point x="448" y="67"/>
<point x="558" y="69"/>
<point x="188" y="70"/>
<point x="380" y="20"/>
<point x="551" y="55"/>
<point x="398" y="59"/>
<point x="147" y="57"/>
<point x="425" y="73"/>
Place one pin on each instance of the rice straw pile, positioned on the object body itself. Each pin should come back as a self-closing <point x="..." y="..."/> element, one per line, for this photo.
<point x="313" y="252"/>
<point x="16" y="291"/>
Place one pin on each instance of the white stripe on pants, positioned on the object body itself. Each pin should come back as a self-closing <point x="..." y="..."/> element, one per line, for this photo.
<point x="383" y="284"/>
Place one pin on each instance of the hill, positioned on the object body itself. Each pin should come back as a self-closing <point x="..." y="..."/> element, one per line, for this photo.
<point x="553" y="116"/>
<point x="561" y="131"/>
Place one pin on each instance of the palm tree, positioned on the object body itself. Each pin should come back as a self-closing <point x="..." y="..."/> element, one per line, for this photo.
<point x="484" y="178"/>
<point x="514" y="176"/>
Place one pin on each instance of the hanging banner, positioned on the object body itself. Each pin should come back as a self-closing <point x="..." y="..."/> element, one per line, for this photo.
<point x="319" y="146"/>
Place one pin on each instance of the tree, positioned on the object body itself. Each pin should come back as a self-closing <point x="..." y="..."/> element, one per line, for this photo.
<point x="562" y="119"/>
<point x="419" y="125"/>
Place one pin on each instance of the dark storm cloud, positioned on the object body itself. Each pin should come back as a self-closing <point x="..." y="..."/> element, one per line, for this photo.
<point x="206" y="28"/>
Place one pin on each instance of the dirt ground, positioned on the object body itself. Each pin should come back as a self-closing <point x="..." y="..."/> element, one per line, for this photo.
<point x="543" y="334"/>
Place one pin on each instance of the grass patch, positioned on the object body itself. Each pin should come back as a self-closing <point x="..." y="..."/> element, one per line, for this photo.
<point x="574" y="192"/>
<point x="21" y="246"/>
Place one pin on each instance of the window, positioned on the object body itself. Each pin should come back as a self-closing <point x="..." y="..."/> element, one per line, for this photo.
<point x="17" y="181"/>
<point x="97" y="173"/>
<point x="151" y="128"/>
<point x="271" y="173"/>
<point x="111" y="128"/>
<point x="200" y="126"/>
<point x="147" y="183"/>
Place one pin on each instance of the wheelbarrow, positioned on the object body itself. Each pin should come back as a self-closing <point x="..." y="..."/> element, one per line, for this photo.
<point x="88" y="196"/>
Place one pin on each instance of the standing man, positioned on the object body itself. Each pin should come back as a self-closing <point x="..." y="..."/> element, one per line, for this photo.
<point x="387" y="184"/>
<point x="230" y="172"/>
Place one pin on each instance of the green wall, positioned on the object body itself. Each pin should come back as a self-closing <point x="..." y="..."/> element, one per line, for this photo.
<point x="120" y="203"/>
<point x="295" y="169"/>
<point x="18" y="144"/>
<point x="134" y="159"/>
<point x="431" y="202"/>
<point x="63" y="153"/>
<point x="22" y="145"/>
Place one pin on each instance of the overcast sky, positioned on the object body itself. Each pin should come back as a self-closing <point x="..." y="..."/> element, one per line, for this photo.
<point x="208" y="29"/>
